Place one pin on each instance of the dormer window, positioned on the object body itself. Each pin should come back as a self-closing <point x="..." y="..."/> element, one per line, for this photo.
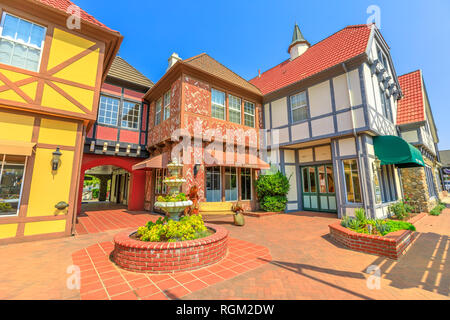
<point x="21" y="43"/>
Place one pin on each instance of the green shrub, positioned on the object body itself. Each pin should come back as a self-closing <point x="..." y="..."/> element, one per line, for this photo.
<point x="173" y="198"/>
<point x="95" y="193"/>
<point x="399" y="210"/>
<point x="166" y="230"/>
<point x="272" y="191"/>
<point x="400" y="225"/>
<point x="274" y="203"/>
<point x="345" y="222"/>
<point x="382" y="227"/>
<point x="438" y="210"/>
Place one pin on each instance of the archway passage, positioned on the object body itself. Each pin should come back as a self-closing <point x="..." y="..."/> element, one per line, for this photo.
<point x="117" y="183"/>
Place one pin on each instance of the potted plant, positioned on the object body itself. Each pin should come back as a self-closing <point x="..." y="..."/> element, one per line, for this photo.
<point x="238" y="214"/>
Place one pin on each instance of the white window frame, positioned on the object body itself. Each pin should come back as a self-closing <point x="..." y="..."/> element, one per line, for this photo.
<point x="215" y="105"/>
<point x="2" y="166"/>
<point x="295" y="107"/>
<point x="41" y="49"/>
<point x="138" y="117"/>
<point x="249" y="114"/>
<point x="158" y="112"/>
<point x="118" y="111"/>
<point x="231" y="109"/>
<point x="166" y="108"/>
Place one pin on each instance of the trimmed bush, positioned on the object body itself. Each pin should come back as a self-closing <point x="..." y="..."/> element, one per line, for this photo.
<point x="272" y="192"/>
<point x="438" y="210"/>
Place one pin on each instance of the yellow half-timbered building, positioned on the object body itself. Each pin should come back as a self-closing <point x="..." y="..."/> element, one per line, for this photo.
<point x="50" y="80"/>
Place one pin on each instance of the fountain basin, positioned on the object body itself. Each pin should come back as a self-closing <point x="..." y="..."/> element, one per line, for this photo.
<point x="169" y="257"/>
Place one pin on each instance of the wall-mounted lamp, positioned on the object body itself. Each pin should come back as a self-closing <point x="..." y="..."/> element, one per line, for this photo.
<point x="128" y="149"/>
<point x="56" y="159"/>
<point x="196" y="169"/>
<point x="117" y="148"/>
<point x="92" y="148"/>
<point x="105" y="146"/>
<point x="376" y="165"/>
<point x="138" y="151"/>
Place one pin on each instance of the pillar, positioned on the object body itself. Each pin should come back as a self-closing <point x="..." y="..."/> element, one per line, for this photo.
<point x="137" y="191"/>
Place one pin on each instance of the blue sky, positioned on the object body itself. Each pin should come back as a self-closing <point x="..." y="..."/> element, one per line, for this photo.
<point x="247" y="35"/>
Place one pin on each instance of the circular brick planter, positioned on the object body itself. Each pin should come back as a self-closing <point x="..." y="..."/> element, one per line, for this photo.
<point x="169" y="257"/>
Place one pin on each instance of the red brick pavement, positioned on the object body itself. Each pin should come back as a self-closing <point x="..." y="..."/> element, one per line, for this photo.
<point x="101" y="279"/>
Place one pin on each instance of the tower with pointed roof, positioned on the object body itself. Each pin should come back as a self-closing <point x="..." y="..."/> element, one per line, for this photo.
<point x="299" y="44"/>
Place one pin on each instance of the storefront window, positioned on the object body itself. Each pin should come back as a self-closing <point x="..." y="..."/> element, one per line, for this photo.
<point x="352" y="184"/>
<point x="246" y="184"/>
<point x="12" y="170"/>
<point x="231" y="190"/>
<point x="213" y="189"/>
<point x="330" y="179"/>
<point x="388" y="185"/>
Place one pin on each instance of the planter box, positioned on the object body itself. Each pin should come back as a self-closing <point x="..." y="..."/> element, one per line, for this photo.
<point x="165" y="257"/>
<point x="393" y="245"/>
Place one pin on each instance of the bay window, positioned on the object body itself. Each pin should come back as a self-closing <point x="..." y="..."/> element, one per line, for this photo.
<point x="12" y="170"/>
<point x="217" y="104"/>
<point x="21" y="42"/>
<point x="352" y="184"/>
<point x="234" y="109"/>
<point x="249" y="114"/>
<point x="299" y="107"/>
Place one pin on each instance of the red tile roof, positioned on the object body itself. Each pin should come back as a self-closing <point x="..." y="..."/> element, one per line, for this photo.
<point x="411" y="107"/>
<point x="336" y="49"/>
<point x="63" y="5"/>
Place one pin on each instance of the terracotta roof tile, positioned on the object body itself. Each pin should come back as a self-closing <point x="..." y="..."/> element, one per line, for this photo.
<point x="336" y="49"/>
<point x="411" y="107"/>
<point x="206" y="63"/>
<point x="62" y="5"/>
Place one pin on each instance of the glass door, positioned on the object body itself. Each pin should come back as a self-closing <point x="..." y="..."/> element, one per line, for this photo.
<point x="318" y="188"/>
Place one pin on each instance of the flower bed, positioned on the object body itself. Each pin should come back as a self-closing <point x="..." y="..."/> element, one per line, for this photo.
<point x="169" y="257"/>
<point x="393" y="245"/>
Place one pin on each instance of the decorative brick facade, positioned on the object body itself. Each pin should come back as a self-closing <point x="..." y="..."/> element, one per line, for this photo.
<point x="162" y="257"/>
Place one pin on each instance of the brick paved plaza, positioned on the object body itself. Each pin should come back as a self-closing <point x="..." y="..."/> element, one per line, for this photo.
<point x="298" y="261"/>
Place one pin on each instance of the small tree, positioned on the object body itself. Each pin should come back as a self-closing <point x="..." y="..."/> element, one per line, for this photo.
<point x="272" y="191"/>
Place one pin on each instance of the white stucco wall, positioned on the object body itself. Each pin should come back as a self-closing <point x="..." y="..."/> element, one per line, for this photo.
<point x="279" y="113"/>
<point x="320" y="99"/>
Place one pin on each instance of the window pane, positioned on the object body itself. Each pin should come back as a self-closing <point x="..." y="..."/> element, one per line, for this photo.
<point x="19" y="55"/>
<point x="330" y="180"/>
<point x="37" y="35"/>
<point x="108" y="110"/>
<point x="10" y="26"/>
<point x="32" y="59"/>
<point x="234" y="103"/>
<point x="167" y="105"/>
<point x="158" y="112"/>
<point x="299" y="114"/>
<point x="352" y="181"/>
<point x="218" y="112"/>
<point x="218" y="104"/>
<point x="130" y="115"/>
<point x="249" y="114"/>
<point x="213" y="190"/>
<point x="246" y="184"/>
<point x="312" y="179"/>
<point x="235" y="116"/>
<point x="322" y="180"/>
<point x="24" y="31"/>
<point x="6" y="49"/>
<point x="231" y="184"/>
<point x="305" y="180"/>
<point x="11" y="184"/>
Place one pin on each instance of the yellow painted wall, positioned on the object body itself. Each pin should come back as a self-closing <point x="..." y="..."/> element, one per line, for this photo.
<point x="44" y="227"/>
<point x="16" y="127"/>
<point x="48" y="189"/>
<point x="58" y="132"/>
<point x="8" y="230"/>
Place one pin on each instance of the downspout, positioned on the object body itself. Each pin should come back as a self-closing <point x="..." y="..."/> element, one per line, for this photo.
<point x="360" y="162"/>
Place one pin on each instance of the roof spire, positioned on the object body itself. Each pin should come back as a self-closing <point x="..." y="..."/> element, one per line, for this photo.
<point x="298" y="41"/>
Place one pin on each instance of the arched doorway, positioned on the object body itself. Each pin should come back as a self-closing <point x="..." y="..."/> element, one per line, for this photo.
<point x="126" y="186"/>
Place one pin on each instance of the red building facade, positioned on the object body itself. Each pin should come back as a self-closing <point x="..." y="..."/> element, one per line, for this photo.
<point x="196" y="104"/>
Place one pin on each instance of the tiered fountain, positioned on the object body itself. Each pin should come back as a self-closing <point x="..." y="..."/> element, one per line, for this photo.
<point x="168" y="257"/>
<point x="174" y="209"/>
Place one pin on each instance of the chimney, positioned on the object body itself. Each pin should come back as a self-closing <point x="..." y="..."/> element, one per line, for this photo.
<point x="174" y="58"/>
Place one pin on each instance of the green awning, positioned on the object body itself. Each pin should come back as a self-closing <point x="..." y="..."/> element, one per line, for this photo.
<point x="395" y="150"/>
